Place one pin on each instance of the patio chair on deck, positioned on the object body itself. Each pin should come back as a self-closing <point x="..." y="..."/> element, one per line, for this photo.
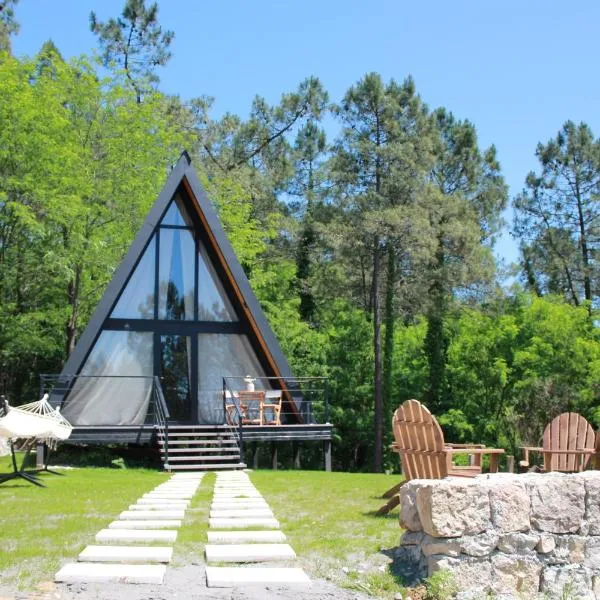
<point x="272" y="408"/>
<point x="251" y="405"/>
<point x="423" y="453"/>
<point x="568" y="444"/>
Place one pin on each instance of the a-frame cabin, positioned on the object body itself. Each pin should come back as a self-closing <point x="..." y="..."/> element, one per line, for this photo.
<point x="174" y="338"/>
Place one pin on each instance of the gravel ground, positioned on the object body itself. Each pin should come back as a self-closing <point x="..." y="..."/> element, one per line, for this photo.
<point x="186" y="583"/>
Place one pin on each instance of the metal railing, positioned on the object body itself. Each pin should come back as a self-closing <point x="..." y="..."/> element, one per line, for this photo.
<point x="59" y="387"/>
<point x="289" y="400"/>
<point x="161" y="416"/>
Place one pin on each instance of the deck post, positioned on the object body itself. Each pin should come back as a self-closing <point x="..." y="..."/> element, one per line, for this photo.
<point x="274" y="455"/>
<point x="255" y="455"/>
<point x="327" y="452"/>
<point x="296" y="455"/>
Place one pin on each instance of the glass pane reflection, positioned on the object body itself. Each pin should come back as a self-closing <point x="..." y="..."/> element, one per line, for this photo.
<point x="175" y="367"/>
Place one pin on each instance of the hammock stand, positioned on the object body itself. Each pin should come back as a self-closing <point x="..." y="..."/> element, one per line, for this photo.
<point x="35" y="422"/>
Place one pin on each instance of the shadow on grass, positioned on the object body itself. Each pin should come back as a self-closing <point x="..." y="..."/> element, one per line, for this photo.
<point x="405" y="569"/>
<point x="390" y="515"/>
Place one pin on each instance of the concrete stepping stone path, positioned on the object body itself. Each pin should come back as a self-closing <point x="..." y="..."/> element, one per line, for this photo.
<point x="238" y="507"/>
<point x="155" y="517"/>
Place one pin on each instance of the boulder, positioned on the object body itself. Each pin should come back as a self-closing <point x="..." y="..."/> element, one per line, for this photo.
<point x="592" y="553"/>
<point x="557" y="503"/>
<point x="570" y="548"/>
<point x="479" y="545"/>
<point x="452" y="508"/>
<point x="591" y="481"/>
<point x="510" y="505"/>
<point x="447" y="547"/>
<point x="515" y="575"/>
<point x="518" y="543"/>
<point x="546" y="544"/>
<point x="567" y="582"/>
<point x="409" y="515"/>
<point x="472" y="574"/>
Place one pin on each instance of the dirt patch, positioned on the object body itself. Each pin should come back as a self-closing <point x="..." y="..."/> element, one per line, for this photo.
<point x="187" y="583"/>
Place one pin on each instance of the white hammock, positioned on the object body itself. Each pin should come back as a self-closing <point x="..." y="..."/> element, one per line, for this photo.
<point x="35" y="420"/>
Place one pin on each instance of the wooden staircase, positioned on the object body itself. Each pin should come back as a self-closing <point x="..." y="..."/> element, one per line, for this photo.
<point x="200" y="448"/>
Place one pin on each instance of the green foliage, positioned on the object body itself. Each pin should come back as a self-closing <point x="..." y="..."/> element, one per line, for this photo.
<point x="441" y="586"/>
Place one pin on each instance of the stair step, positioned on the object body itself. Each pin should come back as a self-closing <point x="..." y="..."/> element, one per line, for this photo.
<point x="245" y="537"/>
<point x="202" y="457"/>
<point x="101" y="573"/>
<point x="204" y="434"/>
<point x="228" y="577"/>
<point x="244" y="553"/>
<point x="199" y="451"/>
<point x="136" y="535"/>
<point x="227" y="442"/>
<point x="206" y="467"/>
<point x="126" y="554"/>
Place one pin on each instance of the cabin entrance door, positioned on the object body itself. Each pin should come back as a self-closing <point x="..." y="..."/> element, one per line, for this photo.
<point x="176" y="373"/>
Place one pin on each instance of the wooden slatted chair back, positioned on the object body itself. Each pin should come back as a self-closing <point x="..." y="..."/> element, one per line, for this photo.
<point x="420" y="442"/>
<point x="568" y="431"/>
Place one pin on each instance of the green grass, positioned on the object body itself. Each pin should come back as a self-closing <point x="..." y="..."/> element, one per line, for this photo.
<point x="328" y="518"/>
<point x="41" y="528"/>
<point x="330" y="522"/>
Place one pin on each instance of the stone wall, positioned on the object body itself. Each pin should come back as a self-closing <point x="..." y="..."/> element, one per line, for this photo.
<point x="521" y="536"/>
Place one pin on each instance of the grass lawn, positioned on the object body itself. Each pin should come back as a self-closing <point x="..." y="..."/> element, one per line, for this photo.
<point x="328" y="518"/>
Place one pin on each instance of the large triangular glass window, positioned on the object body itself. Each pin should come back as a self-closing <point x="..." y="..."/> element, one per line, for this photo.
<point x="137" y="299"/>
<point x="213" y="303"/>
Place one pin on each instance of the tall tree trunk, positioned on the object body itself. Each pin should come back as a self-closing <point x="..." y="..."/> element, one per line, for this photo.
<point x="585" y="255"/>
<point x="378" y="379"/>
<point x="73" y="290"/>
<point x="388" y="343"/>
<point x="435" y="339"/>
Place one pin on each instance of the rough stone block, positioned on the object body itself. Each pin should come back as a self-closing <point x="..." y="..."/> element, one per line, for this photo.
<point x="515" y="575"/>
<point x="567" y="582"/>
<point x="592" y="553"/>
<point x="546" y="544"/>
<point x="510" y="505"/>
<point x="478" y="545"/>
<point x="518" y="543"/>
<point x="409" y="515"/>
<point x="452" y="508"/>
<point x="470" y="574"/>
<point x="569" y="549"/>
<point x="591" y="480"/>
<point x="447" y="547"/>
<point x="557" y="503"/>
<point x="411" y="538"/>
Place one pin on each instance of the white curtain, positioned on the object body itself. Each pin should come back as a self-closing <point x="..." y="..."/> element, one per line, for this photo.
<point x="223" y="355"/>
<point x="96" y="398"/>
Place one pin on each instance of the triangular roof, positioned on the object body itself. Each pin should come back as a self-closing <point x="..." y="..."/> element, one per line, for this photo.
<point x="184" y="177"/>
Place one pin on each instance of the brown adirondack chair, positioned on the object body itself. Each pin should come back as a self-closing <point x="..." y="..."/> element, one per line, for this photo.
<point x="423" y="453"/>
<point x="568" y="444"/>
<point x="251" y="406"/>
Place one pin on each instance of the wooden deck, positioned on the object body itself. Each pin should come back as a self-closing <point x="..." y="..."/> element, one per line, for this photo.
<point x="146" y="434"/>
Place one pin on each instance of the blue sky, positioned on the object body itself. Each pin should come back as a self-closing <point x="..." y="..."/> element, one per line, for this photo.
<point x="516" y="69"/>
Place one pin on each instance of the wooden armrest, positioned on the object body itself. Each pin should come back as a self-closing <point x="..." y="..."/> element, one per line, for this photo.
<point x="582" y="451"/>
<point x="465" y="445"/>
<point x="475" y="450"/>
<point x="531" y="448"/>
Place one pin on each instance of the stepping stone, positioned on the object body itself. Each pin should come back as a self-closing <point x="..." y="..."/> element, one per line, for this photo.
<point x="223" y="523"/>
<point x="168" y="496"/>
<point x="241" y="513"/>
<point x="158" y="524"/>
<point x="238" y="505"/>
<point x="136" y="535"/>
<point x="228" y="577"/>
<point x="101" y="573"/>
<point x="242" y="553"/>
<point x="174" y="502"/>
<point x="245" y="537"/>
<point x="152" y="514"/>
<point x="157" y="506"/>
<point x="126" y="554"/>
<point x="237" y="495"/>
